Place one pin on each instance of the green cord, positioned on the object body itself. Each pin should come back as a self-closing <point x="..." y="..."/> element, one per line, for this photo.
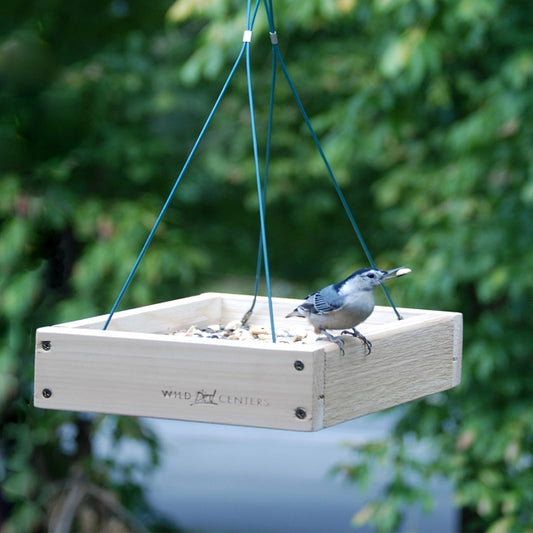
<point x="334" y="181"/>
<point x="262" y="255"/>
<point x="179" y="178"/>
<point x="261" y="191"/>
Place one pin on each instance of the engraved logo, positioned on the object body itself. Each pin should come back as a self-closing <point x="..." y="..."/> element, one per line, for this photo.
<point x="213" y="397"/>
<point x="205" y="397"/>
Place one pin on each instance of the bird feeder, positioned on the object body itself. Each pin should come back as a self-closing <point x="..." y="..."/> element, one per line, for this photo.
<point x="140" y="367"/>
<point x="136" y="365"/>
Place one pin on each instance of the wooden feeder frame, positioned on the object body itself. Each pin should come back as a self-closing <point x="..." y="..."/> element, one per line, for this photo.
<point x="137" y="367"/>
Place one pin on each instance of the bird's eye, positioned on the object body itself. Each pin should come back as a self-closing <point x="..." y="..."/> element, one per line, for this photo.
<point x="371" y="275"/>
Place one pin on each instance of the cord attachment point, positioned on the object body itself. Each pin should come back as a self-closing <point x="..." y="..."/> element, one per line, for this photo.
<point x="247" y="36"/>
<point x="273" y="37"/>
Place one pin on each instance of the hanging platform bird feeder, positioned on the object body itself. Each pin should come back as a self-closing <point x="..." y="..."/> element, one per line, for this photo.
<point x="192" y="359"/>
<point x="152" y="362"/>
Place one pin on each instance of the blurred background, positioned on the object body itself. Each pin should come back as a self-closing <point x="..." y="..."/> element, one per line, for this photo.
<point x="424" y="109"/>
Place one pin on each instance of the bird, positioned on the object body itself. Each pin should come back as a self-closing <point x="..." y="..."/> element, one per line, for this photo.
<point x="345" y="304"/>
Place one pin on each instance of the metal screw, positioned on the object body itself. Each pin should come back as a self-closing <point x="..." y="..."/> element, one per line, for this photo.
<point x="300" y="413"/>
<point x="46" y="345"/>
<point x="299" y="365"/>
<point x="47" y="393"/>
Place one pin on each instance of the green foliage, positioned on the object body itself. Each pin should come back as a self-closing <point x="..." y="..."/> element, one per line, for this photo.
<point x="76" y="151"/>
<point x="424" y="110"/>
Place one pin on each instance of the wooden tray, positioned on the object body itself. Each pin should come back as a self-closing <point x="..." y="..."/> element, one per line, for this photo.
<point x="136" y="367"/>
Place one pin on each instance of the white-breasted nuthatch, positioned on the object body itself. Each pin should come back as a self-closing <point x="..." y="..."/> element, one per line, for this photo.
<point x="346" y="304"/>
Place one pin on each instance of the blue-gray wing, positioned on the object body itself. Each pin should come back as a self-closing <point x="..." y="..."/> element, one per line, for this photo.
<point x="323" y="301"/>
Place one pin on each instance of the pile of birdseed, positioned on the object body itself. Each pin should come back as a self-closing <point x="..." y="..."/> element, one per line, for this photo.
<point x="235" y="331"/>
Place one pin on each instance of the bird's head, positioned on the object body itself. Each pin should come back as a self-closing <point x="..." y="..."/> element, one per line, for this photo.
<point x="369" y="278"/>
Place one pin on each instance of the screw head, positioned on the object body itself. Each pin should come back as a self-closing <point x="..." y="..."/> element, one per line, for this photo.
<point x="299" y="365"/>
<point x="300" y="413"/>
<point x="46" y="345"/>
<point x="47" y="393"/>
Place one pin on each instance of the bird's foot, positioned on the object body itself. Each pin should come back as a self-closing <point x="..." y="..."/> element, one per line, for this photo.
<point x="337" y="340"/>
<point x="355" y="333"/>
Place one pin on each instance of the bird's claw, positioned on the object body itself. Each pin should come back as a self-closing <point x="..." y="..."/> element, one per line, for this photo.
<point x="355" y="333"/>
<point x="337" y="340"/>
<point x="340" y="342"/>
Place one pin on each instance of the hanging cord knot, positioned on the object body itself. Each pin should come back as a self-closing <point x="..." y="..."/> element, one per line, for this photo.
<point x="273" y="37"/>
<point x="247" y="36"/>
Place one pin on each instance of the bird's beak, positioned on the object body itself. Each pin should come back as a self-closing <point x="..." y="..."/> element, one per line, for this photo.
<point x="396" y="273"/>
